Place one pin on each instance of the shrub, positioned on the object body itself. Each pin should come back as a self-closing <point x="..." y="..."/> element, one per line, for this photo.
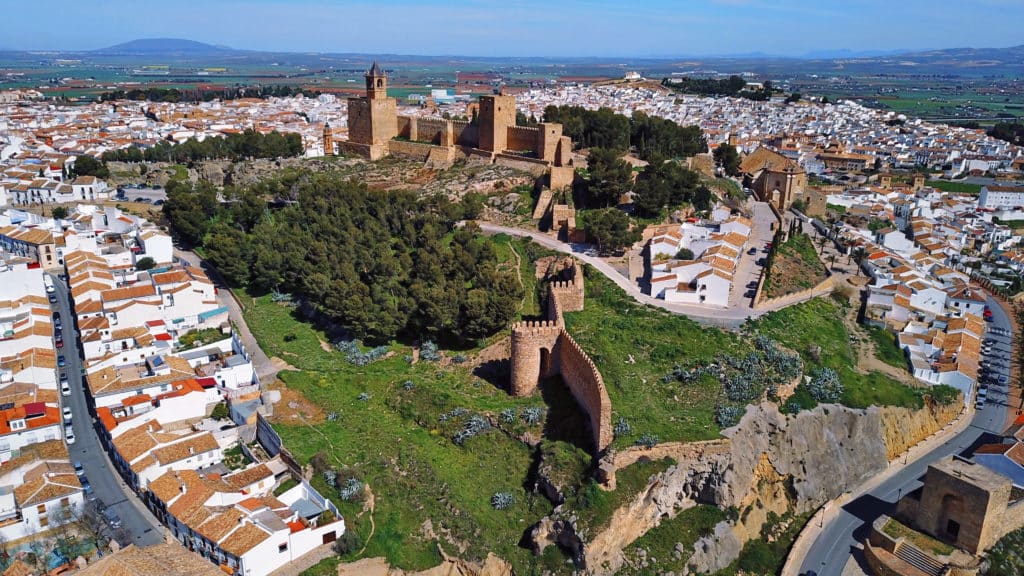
<point x="474" y="426"/>
<point x="145" y="263"/>
<point x="290" y="337"/>
<point x="459" y="358"/>
<point x="350" y="490"/>
<point x="347" y="543"/>
<point x="408" y="385"/>
<point x="429" y="352"/>
<point x="220" y="411"/>
<point x="647" y="441"/>
<point x="331" y="478"/>
<point x="728" y="416"/>
<point x="533" y="415"/>
<point x="356" y="357"/>
<point x="825" y="386"/>
<point x="502" y="500"/>
<point x="331" y="417"/>
<point x="622" y="428"/>
<point x="364" y="397"/>
<point x="507" y="416"/>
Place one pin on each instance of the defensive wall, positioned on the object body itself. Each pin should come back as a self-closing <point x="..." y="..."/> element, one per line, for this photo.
<point x="543" y="349"/>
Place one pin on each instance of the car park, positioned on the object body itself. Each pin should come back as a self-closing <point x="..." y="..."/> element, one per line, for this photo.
<point x="67" y="415"/>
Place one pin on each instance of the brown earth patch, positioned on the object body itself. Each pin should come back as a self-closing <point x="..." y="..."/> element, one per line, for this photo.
<point x="294" y="408"/>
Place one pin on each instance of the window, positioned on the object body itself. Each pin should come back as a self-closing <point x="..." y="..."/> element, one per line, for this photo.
<point x="953" y="529"/>
<point x="44" y="521"/>
<point x="282" y="548"/>
<point x="41" y="509"/>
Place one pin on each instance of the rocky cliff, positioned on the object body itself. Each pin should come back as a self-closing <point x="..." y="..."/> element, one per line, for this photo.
<point x="769" y="462"/>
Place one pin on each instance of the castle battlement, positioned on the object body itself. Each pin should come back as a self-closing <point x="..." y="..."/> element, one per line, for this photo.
<point x="543" y="348"/>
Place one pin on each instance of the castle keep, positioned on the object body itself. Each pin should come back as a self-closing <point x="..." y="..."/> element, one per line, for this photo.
<point x="542" y="349"/>
<point x="376" y="130"/>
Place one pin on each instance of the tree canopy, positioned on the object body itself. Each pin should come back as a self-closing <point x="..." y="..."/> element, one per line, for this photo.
<point x="248" y="144"/>
<point x="383" y="264"/>
<point x="89" y="166"/>
<point x="647" y="135"/>
<point x="610" y="178"/>
<point x="728" y="159"/>
<point x="611" y="230"/>
<point x="664" y="184"/>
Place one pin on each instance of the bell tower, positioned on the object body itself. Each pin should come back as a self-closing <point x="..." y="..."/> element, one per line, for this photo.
<point x="376" y="83"/>
<point x="328" y="140"/>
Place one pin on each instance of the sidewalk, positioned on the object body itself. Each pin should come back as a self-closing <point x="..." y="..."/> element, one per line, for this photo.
<point x="831" y="509"/>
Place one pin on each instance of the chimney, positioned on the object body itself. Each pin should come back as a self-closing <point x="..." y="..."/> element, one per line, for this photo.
<point x="191" y="450"/>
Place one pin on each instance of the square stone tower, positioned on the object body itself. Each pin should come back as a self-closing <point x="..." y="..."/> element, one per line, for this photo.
<point x="497" y="115"/>
<point x="373" y="119"/>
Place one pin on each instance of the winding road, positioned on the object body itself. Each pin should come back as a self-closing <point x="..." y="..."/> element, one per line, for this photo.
<point x="732" y="317"/>
<point x="838" y="542"/>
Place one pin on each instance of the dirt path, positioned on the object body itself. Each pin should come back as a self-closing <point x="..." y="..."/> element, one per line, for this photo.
<point x="867" y="353"/>
<point x="519" y="276"/>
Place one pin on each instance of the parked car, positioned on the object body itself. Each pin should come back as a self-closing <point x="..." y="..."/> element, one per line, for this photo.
<point x="61" y="362"/>
<point x="752" y="251"/>
<point x="90" y="495"/>
<point x="67" y="415"/>
<point x="112" y="518"/>
<point x="79" y="469"/>
<point x="51" y="298"/>
<point x="57" y="323"/>
<point x="69" y="435"/>
<point x="65" y="389"/>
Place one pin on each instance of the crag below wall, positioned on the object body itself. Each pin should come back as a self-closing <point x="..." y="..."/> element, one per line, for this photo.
<point x="770" y="462"/>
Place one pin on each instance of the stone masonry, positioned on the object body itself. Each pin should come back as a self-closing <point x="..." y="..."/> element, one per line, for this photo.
<point x="542" y="349"/>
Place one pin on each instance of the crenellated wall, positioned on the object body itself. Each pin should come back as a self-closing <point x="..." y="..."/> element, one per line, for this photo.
<point x="541" y="349"/>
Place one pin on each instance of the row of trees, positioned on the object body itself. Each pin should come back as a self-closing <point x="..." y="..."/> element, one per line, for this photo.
<point x="248" y="144"/>
<point x="383" y="264"/>
<point x="206" y="94"/>
<point x="647" y="135"/>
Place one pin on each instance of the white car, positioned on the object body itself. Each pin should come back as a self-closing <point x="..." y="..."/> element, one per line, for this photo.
<point x="69" y="435"/>
<point x="65" y="389"/>
<point x="67" y="415"/>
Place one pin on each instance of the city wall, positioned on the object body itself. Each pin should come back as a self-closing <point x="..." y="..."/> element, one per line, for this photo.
<point x="542" y="349"/>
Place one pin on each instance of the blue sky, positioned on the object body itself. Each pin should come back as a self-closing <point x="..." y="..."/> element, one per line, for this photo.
<point x="522" y="28"/>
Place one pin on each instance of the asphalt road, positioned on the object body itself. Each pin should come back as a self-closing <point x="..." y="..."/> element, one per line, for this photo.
<point x="147" y="194"/>
<point x="842" y="537"/>
<point x="87" y="449"/>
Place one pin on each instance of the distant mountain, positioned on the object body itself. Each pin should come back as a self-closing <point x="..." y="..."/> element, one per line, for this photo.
<point x="958" y="57"/>
<point x="827" y="54"/>
<point x="158" y="46"/>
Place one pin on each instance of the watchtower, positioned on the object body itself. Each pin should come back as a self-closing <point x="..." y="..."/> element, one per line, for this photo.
<point x="497" y="114"/>
<point x="376" y="83"/>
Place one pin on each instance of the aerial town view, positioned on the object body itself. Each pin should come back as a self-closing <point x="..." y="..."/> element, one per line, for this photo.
<point x="421" y="288"/>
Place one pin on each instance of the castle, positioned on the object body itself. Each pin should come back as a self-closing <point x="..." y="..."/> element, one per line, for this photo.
<point x="376" y="130"/>
<point x="542" y="349"/>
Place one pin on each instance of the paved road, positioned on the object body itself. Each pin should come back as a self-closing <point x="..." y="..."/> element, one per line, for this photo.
<point x="732" y="317"/>
<point x="148" y="194"/>
<point x="261" y="363"/>
<point x="140" y="524"/>
<point x="841" y="537"/>
<point x="748" y="272"/>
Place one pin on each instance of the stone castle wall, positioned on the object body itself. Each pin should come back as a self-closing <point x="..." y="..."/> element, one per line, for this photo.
<point x="465" y="134"/>
<point x="541" y="349"/>
<point x="523" y="138"/>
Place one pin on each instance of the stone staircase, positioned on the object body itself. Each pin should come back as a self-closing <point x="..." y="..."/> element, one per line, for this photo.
<point x="918" y="559"/>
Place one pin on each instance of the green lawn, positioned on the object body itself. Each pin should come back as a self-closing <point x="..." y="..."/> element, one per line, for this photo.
<point x="634" y="347"/>
<point x="896" y="529"/>
<point x="886" y="348"/>
<point x="815" y="330"/>
<point x="958" y="187"/>
<point x="394" y="439"/>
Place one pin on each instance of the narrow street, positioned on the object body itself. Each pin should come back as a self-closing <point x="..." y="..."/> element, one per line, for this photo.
<point x="107" y="484"/>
